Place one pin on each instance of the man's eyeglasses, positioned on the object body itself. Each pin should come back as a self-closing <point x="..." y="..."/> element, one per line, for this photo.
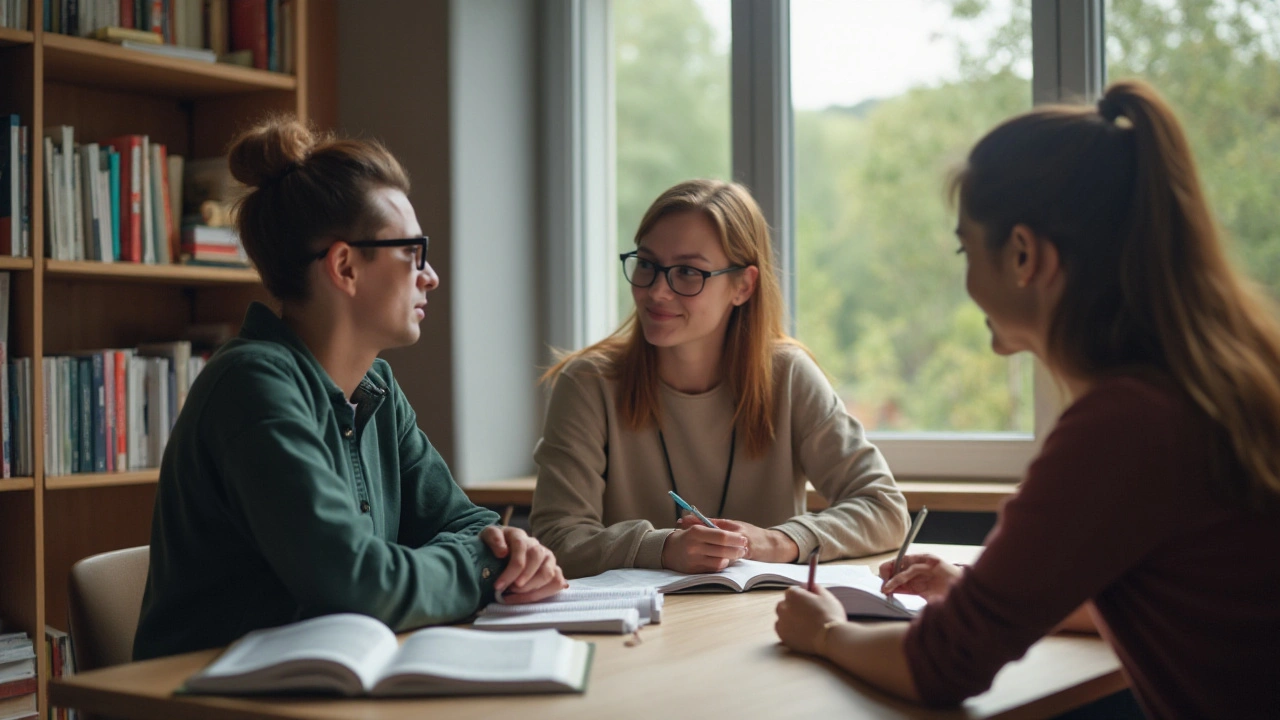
<point x="419" y="245"/>
<point x="682" y="279"/>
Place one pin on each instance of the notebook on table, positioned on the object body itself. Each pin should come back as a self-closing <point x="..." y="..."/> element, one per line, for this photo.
<point x="854" y="585"/>
<point x="353" y="655"/>
<point x="581" y="610"/>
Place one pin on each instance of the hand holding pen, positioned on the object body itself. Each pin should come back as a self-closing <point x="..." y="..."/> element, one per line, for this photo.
<point x="702" y="547"/>
<point x="925" y="575"/>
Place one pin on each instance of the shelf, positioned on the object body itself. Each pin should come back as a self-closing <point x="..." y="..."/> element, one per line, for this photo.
<point x="16" y="263"/>
<point x="137" y="272"/>
<point x="103" y="65"/>
<point x="18" y="483"/>
<point x="92" y="480"/>
<point x="9" y="36"/>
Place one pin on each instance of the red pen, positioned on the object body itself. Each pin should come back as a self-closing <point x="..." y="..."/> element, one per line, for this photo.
<point x="813" y="571"/>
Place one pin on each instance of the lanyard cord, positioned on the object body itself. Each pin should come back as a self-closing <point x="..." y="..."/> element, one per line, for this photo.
<point x="728" y="471"/>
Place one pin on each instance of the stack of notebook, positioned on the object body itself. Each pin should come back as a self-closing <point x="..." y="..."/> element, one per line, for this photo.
<point x="582" y="610"/>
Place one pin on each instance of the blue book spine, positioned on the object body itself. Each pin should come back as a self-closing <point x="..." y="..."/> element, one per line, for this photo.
<point x="75" y="421"/>
<point x="113" y="164"/>
<point x="99" y="415"/>
<point x="48" y="17"/>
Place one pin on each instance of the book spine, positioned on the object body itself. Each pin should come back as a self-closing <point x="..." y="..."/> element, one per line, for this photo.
<point x="9" y="192"/>
<point x="248" y="29"/>
<point x="25" y="181"/>
<point x="126" y="14"/>
<point x="122" y="410"/>
<point x="113" y="164"/>
<point x="104" y="382"/>
<point x="98" y="408"/>
<point x="6" y="424"/>
<point x="86" y="413"/>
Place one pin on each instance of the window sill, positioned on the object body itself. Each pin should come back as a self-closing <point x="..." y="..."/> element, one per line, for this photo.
<point x="938" y="495"/>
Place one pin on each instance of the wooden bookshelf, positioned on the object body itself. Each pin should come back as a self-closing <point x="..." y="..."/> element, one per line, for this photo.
<point x="137" y="272"/>
<point x="102" y="65"/>
<point x="9" y="36"/>
<point x="99" y="480"/>
<point x="47" y="523"/>
<point x="18" y="483"/>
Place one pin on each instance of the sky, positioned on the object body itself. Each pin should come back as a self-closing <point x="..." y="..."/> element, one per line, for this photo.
<point x="846" y="51"/>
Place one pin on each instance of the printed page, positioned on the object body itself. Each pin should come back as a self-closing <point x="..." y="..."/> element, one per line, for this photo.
<point x="627" y="578"/>
<point x="478" y="656"/>
<point x="606" y="620"/>
<point x="358" y="643"/>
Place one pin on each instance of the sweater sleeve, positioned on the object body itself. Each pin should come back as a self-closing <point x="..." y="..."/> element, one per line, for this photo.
<point x="1089" y="509"/>
<point x="568" y="500"/>
<point x="303" y="518"/>
<point x="868" y="514"/>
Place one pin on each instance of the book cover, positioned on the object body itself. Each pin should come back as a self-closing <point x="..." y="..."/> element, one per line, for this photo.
<point x="247" y="29"/>
<point x="113" y="167"/>
<point x="122" y="409"/>
<point x="129" y="148"/>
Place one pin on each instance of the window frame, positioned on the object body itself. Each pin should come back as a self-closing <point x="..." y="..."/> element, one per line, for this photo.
<point x="1067" y="64"/>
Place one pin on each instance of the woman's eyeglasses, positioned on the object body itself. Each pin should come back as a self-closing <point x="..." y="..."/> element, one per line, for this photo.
<point x="419" y="245"/>
<point x="682" y="279"/>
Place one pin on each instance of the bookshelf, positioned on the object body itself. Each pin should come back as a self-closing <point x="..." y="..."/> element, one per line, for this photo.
<point x="49" y="522"/>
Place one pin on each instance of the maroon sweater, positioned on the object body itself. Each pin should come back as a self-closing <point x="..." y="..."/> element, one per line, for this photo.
<point x="1121" y="508"/>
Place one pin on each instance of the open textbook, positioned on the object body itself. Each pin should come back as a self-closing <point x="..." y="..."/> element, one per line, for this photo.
<point x="351" y="655"/>
<point x="585" y="610"/>
<point x="854" y="585"/>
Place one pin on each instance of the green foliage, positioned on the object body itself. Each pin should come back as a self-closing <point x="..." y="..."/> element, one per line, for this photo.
<point x="880" y="291"/>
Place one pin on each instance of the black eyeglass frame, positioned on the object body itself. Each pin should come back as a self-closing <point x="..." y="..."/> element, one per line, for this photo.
<point x="422" y="240"/>
<point x="665" y="270"/>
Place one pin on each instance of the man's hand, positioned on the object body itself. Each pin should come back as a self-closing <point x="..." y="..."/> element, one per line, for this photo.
<point x="762" y="544"/>
<point x="531" y="574"/>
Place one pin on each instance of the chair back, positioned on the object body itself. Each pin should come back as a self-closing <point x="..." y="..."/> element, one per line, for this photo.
<point x="106" y="598"/>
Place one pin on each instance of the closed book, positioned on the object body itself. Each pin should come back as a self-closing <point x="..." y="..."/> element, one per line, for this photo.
<point x="131" y="186"/>
<point x="120" y="34"/>
<point x="247" y="29"/>
<point x="10" y="185"/>
<point x="113" y="166"/>
<point x="13" y="688"/>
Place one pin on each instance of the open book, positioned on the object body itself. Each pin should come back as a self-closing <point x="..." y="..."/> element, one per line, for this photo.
<point x="352" y="655"/>
<point x="602" y="610"/>
<point x="854" y="585"/>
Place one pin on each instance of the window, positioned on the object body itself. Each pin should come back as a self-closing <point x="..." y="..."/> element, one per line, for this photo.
<point x="671" y="84"/>
<point x="887" y="99"/>
<point x="1218" y="63"/>
<point x="844" y="118"/>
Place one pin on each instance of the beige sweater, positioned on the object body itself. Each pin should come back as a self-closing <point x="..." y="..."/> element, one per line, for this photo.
<point x="601" y="500"/>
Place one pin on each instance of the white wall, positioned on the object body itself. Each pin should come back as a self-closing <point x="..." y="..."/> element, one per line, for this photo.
<point x="450" y="88"/>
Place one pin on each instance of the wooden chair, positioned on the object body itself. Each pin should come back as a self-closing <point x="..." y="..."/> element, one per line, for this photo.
<point x="106" y="597"/>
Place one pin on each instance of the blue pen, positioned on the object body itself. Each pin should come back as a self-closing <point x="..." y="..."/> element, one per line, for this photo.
<point x="680" y="501"/>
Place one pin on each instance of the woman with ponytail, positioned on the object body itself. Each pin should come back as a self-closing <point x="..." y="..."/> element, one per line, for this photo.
<point x="701" y="392"/>
<point x="1154" y="505"/>
<point x="296" y="481"/>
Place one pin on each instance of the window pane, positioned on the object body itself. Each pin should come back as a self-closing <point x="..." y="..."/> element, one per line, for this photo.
<point x="1218" y="63"/>
<point x="889" y="95"/>
<point x="671" y="59"/>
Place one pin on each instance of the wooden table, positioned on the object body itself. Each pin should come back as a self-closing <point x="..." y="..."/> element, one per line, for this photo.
<point x="714" y="655"/>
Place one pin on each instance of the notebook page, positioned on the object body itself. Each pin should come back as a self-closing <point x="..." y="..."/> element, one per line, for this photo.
<point x="641" y="605"/>
<point x="477" y="655"/>
<point x="626" y="578"/>
<point x="610" y="620"/>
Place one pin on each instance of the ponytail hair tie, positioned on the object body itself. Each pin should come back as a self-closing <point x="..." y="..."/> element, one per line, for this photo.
<point x="1109" y="109"/>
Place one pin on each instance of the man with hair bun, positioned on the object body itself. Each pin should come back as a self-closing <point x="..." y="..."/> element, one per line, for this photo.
<point x="296" y="481"/>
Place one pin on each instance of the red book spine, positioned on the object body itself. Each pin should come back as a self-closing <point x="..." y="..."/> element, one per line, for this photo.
<point x="109" y="407"/>
<point x="248" y="29"/>
<point x="14" y="688"/>
<point x="155" y="16"/>
<point x="126" y="14"/>
<point x="122" y="412"/>
<point x="130" y="149"/>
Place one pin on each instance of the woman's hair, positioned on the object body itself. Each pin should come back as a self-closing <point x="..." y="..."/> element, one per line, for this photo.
<point x="1148" y="283"/>
<point x="305" y="186"/>
<point x="754" y="330"/>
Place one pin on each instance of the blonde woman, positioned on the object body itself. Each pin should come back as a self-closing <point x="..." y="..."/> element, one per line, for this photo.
<point x="701" y="392"/>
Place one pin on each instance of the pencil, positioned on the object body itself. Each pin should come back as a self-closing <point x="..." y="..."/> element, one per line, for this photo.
<point x="506" y="515"/>
<point x="813" y="571"/>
